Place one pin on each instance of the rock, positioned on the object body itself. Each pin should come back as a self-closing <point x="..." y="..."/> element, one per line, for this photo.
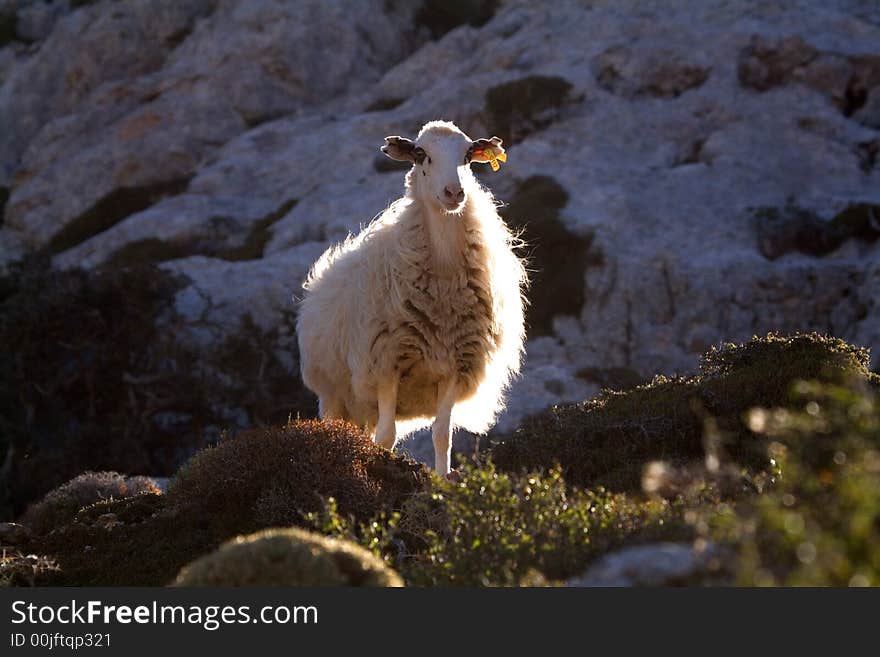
<point x="36" y="19"/>
<point x="869" y="113"/>
<point x="335" y="210"/>
<point x="795" y="229"/>
<point x="523" y="106"/>
<point x="219" y="226"/>
<point x="654" y="72"/>
<point x="11" y="250"/>
<point x="830" y="74"/>
<point x="220" y="293"/>
<point x="767" y="63"/>
<point x="657" y="564"/>
<point x="89" y="47"/>
<point x="224" y="140"/>
<point x="175" y="92"/>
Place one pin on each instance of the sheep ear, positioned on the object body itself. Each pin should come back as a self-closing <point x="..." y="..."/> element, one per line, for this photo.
<point x="402" y="149"/>
<point x="483" y="150"/>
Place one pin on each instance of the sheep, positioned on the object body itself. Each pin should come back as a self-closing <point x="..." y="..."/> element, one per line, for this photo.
<point x="419" y="317"/>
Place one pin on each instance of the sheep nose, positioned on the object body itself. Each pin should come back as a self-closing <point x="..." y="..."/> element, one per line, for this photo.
<point x="454" y="192"/>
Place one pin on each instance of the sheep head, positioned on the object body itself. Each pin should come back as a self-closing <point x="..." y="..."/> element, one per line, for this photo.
<point x="441" y="155"/>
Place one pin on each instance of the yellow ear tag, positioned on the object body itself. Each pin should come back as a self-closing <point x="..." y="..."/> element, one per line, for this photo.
<point x="493" y="158"/>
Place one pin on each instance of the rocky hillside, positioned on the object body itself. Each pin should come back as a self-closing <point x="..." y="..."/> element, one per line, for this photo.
<point x="683" y="172"/>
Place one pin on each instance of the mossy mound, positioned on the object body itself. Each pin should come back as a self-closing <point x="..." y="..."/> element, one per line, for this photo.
<point x="288" y="557"/>
<point x="609" y="439"/>
<point x="62" y="504"/>
<point x="272" y="476"/>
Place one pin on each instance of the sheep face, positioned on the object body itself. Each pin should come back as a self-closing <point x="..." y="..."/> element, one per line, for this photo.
<point x="441" y="154"/>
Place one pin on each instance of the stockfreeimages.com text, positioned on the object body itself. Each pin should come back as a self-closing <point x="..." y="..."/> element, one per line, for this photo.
<point x="211" y="617"/>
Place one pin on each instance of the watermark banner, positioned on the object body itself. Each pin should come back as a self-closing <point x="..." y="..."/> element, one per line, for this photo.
<point x="105" y="621"/>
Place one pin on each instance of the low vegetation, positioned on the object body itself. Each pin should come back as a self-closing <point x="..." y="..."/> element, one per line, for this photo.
<point x="607" y="440"/>
<point x="61" y="505"/>
<point x="100" y="379"/>
<point x="496" y="529"/>
<point x="771" y="452"/>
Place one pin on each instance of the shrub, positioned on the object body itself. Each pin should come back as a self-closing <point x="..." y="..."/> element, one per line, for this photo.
<point x="98" y="379"/>
<point x="609" y="439"/>
<point x="272" y="476"/>
<point x="495" y="529"/>
<point x="82" y="380"/>
<point x="135" y="541"/>
<point x="17" y="569"/>
<point x="819" y="523"/>
<point x="502" y="528"/>
<point x="288" y="557"/>
<point x="61" y="505"/>
<point x="256" y="480"/>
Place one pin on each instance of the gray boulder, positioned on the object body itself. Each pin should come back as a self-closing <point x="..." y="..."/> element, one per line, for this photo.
<point x="658" y="564"/>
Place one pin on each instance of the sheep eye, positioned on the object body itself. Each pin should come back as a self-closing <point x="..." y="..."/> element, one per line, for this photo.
<point x="429" y="160"/>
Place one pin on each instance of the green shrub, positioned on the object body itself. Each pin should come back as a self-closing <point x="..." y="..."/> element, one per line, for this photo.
<point x="608" y="440"/>
<point x="819" y="523"/>
<point x="380" y="534"/>
<point x="60" y="506"/>
<point x="288" y="557"/>
<point x="495" y="529"/>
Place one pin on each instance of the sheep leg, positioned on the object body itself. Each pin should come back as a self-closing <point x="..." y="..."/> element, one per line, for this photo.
<point x="441" y="431"/>
<point x="330" y="407"/>
<point x="385" y="428"/>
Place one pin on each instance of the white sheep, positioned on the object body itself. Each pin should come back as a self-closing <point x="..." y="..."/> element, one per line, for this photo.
<point x="420" y="316"/>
